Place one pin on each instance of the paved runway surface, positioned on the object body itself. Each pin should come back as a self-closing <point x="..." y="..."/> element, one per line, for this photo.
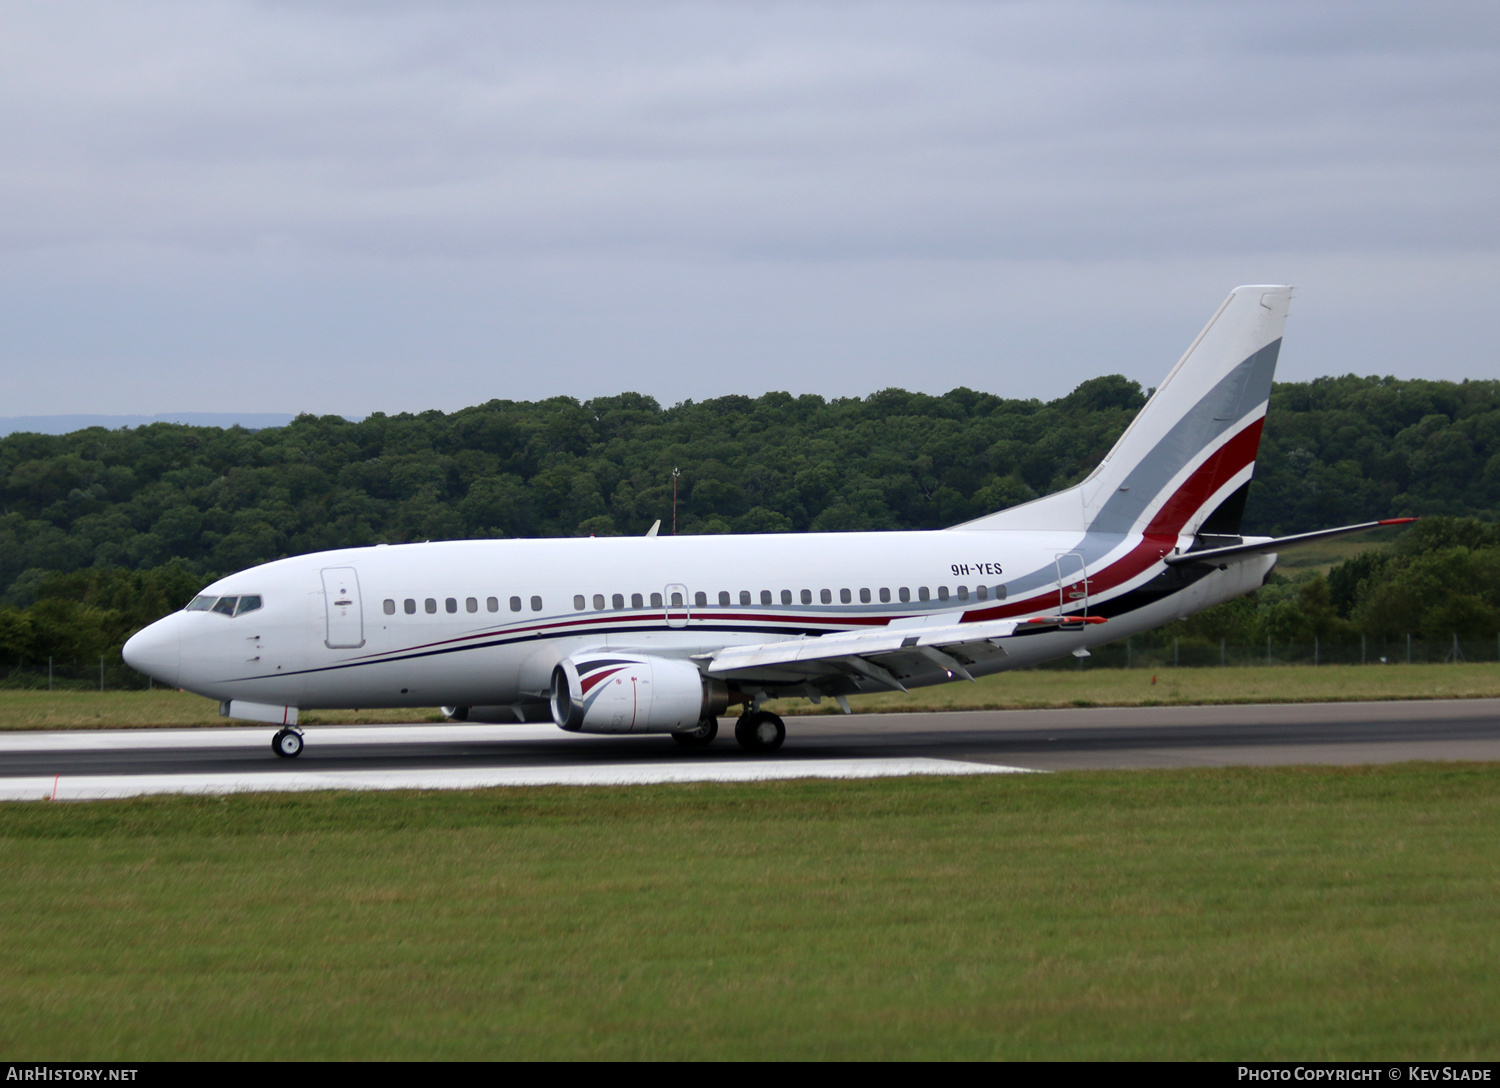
<point x="113" y="763"/>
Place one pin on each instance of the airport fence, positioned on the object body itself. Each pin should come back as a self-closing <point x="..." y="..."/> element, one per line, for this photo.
<point x="1155" y="650"/>
<point x="107" y="673"/>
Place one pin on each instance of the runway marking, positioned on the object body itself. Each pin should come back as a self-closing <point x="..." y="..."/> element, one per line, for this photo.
<point x="99" y="740"/>
<point x="99" y="787"/>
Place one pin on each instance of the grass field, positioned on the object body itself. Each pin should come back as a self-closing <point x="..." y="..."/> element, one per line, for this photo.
<point x="1245" y="913"/>
<point x="1014" y="690"/>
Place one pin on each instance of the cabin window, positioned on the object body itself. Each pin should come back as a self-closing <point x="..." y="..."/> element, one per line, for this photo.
<point x="451" y="604"/>
<point x="618" y="600"/>
<point x="963" y="593"/>
<point x="515" y="604"/>
<point x="471" y="604"/>
<point x="826" y="596"/>
<point x="942" y="593"/>
<point x="656" y="600"/>
<point x="200" y="604"/>
<point x="637" y="601"/>
<point x="598" y="602"/>
<point x="982" y="592"/>
<point x="389" y="607"/>
<point x="677" y="600"/>
<point x="724" y="598"/>
<point x="765" y="596"/>
<point x="845" y="596"/>
<point x="700" y="598"/>
<point x="864" y="596"/>
<point x="807" y="596"/>
<point x="492" y="604"/>
<point x="247" y="604"/>
<point x="904" y="594"/>
<point x="999" y="593"/>
<point x="578" y="602"/>
<point x="410" y="606"/>
<point x="885" y="595"/>
<point x="922" y="594"/>
<point x="745" y="596"/>
<point x="430" y="604"/>
<point x="536" y="604"/>
<point x="786" y="596"/>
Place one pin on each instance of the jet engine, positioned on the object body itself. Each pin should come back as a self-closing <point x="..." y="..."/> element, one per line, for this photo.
<point x="604" y="692"/>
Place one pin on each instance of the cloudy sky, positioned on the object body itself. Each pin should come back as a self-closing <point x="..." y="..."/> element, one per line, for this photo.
<point x="221" y="205"/>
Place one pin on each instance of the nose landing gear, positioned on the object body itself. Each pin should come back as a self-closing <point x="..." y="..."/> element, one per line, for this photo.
<point x="287" y="743"/>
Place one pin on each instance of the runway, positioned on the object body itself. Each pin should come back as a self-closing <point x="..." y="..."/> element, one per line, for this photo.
<point x="109" y="763"/>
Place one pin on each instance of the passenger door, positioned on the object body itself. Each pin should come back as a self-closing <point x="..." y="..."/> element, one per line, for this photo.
<point x="341" y="601"/>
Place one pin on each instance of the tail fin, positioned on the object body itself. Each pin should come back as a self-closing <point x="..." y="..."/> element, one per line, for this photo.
<point x="1183" y="466"/>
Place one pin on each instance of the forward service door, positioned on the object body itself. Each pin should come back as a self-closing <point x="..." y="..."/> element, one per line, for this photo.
<point x="346" y="621"/>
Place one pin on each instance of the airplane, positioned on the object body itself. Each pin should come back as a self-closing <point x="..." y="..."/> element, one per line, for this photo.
<point x="664" y="634"/>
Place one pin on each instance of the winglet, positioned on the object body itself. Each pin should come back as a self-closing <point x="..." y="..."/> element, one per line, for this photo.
<point x="655" y="525"/>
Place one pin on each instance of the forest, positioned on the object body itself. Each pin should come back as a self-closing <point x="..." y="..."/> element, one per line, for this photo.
<point x="102" y="531"/>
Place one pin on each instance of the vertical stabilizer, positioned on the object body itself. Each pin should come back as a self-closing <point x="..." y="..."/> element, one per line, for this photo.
<point x="1184" y="463"/>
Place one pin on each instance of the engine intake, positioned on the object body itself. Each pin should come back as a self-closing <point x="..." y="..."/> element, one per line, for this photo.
<point x="632" y="693"/>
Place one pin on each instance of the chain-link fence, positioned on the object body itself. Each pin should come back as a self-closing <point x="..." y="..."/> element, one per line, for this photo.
<point x="1155" y="650"/>
<point x="107" y="673"/>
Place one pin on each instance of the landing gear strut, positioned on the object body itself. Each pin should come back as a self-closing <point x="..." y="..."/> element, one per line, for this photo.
<point x="760" y="731"/>
<point x="701" y="737"/>
<point x="287" y="743"/>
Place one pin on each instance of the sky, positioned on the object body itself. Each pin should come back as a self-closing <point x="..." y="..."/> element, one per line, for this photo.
<point x="340" y="207"/>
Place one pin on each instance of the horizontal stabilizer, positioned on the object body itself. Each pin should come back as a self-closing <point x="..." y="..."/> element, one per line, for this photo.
<point x="1279" y="544"/>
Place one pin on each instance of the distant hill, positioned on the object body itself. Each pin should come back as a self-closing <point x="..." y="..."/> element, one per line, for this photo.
<point x="253" y="421"/>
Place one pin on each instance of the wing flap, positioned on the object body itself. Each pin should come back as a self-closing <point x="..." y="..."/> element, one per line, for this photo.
<point x="932" y="643"/>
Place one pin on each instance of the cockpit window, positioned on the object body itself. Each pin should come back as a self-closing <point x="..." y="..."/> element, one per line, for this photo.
<point x="225" y="606"/>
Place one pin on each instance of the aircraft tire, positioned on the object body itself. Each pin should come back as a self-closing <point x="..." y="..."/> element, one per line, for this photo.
<point x="760" y="731"/>
<point x="287" y="743"/>
<point x="700" y="737"/>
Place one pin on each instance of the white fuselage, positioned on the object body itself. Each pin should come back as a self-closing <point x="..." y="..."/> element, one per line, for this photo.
<point x="483" y="622"/>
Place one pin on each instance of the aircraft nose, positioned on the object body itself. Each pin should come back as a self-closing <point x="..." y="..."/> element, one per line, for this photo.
<point x="156" y="651"/>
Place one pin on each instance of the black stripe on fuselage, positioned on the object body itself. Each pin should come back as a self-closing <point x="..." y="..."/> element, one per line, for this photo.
<point x="1170" y="581"/>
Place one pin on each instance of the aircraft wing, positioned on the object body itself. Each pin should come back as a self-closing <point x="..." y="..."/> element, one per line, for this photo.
<point x="875" y="655"/>
<point x="1261" y="547"/>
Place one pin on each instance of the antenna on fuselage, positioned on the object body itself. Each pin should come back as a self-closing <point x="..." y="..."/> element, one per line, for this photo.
<point x="655" y="525"/>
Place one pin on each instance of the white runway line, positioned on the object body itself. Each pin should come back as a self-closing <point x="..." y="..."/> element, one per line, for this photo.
<point x="98" y="787"/>
<point x="99" y="740"/>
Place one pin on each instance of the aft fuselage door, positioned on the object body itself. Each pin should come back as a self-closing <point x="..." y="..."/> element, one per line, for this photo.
<point x="346" y="621"/>
<point x="676" y="597"/>
<point x="1072" y="584"/>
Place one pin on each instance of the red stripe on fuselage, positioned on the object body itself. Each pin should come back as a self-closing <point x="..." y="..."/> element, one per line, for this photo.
<point x="1161" y="535"/>
<point x="1206" y="479"/>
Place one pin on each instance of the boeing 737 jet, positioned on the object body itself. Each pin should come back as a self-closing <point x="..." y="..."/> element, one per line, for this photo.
<point x="664" y="634"/>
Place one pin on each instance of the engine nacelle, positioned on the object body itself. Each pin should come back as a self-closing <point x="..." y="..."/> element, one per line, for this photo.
<point x="607" y="692"/>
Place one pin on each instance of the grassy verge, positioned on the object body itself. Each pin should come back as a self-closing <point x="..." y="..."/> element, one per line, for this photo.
<point x="140" y="709"/>
<point x="1008" y="691"/>
<point x="1242" y="913"/>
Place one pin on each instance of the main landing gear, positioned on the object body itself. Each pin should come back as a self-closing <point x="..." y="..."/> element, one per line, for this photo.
<point x="756" y="731"/>
<point x="760" y="731"/>
<point x="700" y="737"/>
<point x="287" y="743"/>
